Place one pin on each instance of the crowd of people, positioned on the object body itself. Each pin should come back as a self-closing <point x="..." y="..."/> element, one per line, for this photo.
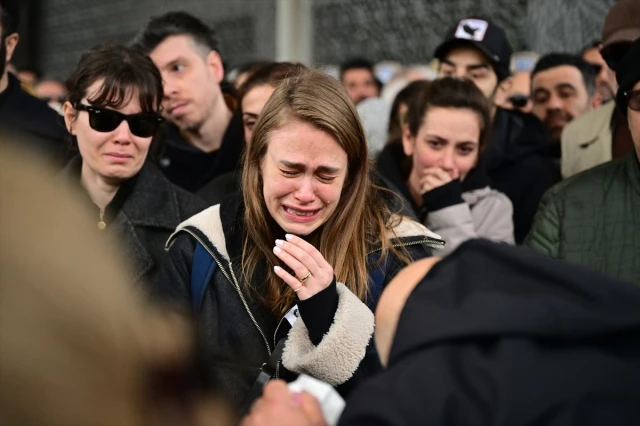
<point x="193" y="241"/>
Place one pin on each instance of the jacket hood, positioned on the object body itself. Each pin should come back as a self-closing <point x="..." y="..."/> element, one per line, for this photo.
<point x="486" y="291"/>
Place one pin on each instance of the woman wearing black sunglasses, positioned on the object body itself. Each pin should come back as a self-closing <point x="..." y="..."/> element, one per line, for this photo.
<point x="113" y="111"/>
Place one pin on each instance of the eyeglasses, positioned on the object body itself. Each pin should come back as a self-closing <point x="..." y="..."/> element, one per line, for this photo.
<point x="633" y="99"/>
<point x="519" y="101"/>
<point x="107" y="120"/>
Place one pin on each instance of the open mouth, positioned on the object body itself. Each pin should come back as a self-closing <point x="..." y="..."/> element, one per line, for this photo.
<point x="299" y="212"/>
<point x="298" y="215"/>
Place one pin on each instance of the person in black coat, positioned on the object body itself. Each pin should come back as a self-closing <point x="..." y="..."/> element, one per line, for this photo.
<point x="493" y="335"/>
<point x="114" y="100"/>
<point x="24" y="119"/>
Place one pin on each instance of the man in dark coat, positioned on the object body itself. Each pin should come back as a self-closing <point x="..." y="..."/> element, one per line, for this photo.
<point x="204" y="137"/>
<point x="492" y="335"/>
<point x="24" y="119"/>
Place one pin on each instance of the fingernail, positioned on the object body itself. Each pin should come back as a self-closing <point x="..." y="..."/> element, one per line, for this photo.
<point x="277" y="249"/>
<point x="289" y="237"/>
<point x="277" y="268"/>
<point x="279" y="242"/>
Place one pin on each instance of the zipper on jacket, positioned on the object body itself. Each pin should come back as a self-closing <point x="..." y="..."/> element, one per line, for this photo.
<point x="246" y="306"/>
<point x="235" y="284"/>
<point x="431" y="242"/>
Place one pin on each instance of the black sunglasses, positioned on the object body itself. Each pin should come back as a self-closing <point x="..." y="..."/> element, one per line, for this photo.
<point x="633" y="99"/>
<point x="519" y="101"/>
<point x="107" y="120"/>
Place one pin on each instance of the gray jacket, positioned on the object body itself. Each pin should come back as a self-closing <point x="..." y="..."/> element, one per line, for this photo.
<point x="486" y="213"/>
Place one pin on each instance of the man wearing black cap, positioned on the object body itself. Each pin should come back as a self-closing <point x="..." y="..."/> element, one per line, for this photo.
<point x="603" y="134"/>
<point x="592" y="218"/>
<point x="518" y="159"/>
<point x="24" y="119"/>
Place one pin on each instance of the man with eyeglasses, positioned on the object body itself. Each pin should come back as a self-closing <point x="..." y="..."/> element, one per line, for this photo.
<point x="603" y="134"/>
<point x="25" y="120"/>
<point x="592" y="218"/>
<point x="517" y="158"/>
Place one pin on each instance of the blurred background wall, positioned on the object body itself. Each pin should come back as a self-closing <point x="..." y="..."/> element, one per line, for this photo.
<point x="402" y="30"/>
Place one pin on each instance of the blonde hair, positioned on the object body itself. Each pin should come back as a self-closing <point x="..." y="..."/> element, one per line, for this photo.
<point x="361" y="219"/>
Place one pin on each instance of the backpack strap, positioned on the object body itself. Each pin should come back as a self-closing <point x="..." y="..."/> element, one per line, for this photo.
<point x="267" y="372"/>
<point x="376" y="278"/>
<point x="202" y="270"/>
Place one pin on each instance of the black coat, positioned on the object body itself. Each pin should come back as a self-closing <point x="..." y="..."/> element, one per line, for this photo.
<point x="234" y="328"/>
<point x="520" y="165"/>
<point x="148" y="214"/>
<point x="191" y="168"/>
<point x="31" y="123"/>
<point x="500" y="335"/>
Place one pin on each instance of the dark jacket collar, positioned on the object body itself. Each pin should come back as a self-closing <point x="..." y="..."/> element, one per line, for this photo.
<point x="146" y="199"/>
<point x="515" y="135"/>
<point x="18" y="108"/>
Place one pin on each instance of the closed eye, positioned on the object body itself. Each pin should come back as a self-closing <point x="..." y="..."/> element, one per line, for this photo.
<point x="326" y="179"/>
<point x="288" y="173"/>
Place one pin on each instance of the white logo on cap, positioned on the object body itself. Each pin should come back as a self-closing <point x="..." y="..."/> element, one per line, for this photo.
<point x="472" y="29"/>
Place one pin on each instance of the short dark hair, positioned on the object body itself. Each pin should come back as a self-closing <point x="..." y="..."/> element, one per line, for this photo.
<point x="170" y="24"/>
<point x="9" y="17"/>
<point x="553" y="60"/>
<point x="122" y="69"/>
<point x="271" y="74"/>
<point x="450" y="92"/>
<point x="356" y="63"/>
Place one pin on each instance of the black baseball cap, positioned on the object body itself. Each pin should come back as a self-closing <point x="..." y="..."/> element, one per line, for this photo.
<point x="484" y="35"/>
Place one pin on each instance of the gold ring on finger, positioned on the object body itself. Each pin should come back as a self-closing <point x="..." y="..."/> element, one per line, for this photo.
<point x="306" y="277"/>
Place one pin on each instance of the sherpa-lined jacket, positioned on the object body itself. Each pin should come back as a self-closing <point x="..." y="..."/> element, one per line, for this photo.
<point x="236" y="333"/>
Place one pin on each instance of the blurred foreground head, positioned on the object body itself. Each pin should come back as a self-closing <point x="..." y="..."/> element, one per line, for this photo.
<point x="77" y="344"/>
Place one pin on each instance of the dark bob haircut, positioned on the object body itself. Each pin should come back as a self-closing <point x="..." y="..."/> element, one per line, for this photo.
<point x="125" y="72"/>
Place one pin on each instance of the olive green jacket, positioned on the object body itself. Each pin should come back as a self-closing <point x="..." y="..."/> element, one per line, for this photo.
<point x="593" y="219"/>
